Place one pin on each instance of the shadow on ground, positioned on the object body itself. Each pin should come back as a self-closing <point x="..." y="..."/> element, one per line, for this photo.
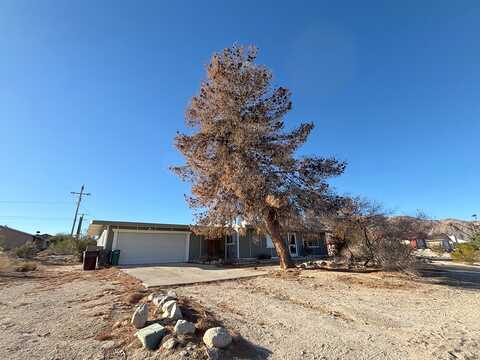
<point x="461" y="276"/>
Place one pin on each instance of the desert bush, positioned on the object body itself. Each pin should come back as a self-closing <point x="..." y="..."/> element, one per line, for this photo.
<point x="25" y="251"/>
<point x="364" y="232"/>
<point x="467" y="252"/>
<point x="24" y="266"/>
<point x="66" y="245"/>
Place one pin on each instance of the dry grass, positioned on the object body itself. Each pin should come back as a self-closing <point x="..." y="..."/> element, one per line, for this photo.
<point x="104" y="336"/>
<point x="6" y="264"/>
<point x="25" y="266"/>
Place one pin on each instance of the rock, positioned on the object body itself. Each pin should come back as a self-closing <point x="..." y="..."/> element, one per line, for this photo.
<point x="183" y="327"/>
<point x="171" y="310"/>
<point x="151" y="335"/>
<point x="169" y="344"/>
<point x="108" y="344"/>
<point x="160" y="300"/>
<point x="175" y="313"/>
<point x="172" y="294"/>
<point x="214" y="354"/>
<point x="167" y="306"/>
<point x="140" y="316"/>
<point x="217" y="337"/>
<point x="184" y="354"/>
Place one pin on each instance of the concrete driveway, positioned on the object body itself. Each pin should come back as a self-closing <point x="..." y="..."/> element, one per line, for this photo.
<point x="182" y="274"/>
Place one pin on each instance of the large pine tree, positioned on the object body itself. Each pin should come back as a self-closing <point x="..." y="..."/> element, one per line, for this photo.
<point x="240" y="160"/>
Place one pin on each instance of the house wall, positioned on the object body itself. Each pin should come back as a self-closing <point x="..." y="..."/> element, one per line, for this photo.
<point x="194" y="252"/>
<point x="12" y="238"/>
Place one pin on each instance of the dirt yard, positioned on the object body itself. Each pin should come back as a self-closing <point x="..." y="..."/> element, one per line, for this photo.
<point x="334" y="315"/>
<point x="60" y="312"/>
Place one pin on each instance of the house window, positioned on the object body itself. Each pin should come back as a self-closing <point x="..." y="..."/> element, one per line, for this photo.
<point x="314" y="241"/>
<point x="269" y="242"/>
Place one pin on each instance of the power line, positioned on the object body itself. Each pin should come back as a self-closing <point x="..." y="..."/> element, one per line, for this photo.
<point x="33" y="217"/>
<point x="33" y="202"/>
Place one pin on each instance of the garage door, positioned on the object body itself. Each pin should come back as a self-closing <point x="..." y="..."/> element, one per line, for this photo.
<point x="151" y="247"/>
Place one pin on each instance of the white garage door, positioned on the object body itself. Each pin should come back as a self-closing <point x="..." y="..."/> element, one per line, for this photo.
<point x="151" y="247"/>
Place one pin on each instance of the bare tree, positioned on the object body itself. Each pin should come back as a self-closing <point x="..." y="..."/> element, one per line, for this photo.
<point x="240" y="160"/>
<point x="362" y="230"/>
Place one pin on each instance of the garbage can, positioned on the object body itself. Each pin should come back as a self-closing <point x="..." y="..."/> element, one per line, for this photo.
<point x="103" y="258"/>
<point x="90" y="260"/>
<point x="115" y="257"/>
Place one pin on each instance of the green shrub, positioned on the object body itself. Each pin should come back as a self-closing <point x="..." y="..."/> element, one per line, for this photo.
<point x="66" y="245"/>
<point x="467" y="252"/>
<point x="25" y="251"/>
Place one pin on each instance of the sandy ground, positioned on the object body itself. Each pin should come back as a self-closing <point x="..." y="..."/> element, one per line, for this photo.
<point x="333" y="315"/>
<point x="61" y="312"/>
<point x="58" y="312"/>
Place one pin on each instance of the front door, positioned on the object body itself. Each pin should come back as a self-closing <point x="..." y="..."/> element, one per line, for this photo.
<point x="292" y="244"/>
<point x="230" y="247"/>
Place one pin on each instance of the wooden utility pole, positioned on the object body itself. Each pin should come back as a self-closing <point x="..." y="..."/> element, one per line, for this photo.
<point x="80" y="195"/>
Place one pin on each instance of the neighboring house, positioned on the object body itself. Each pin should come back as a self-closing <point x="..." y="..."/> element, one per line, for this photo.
<point x="148" y="243"/>
<point x="441" y="241"/>
<point x="12" y="238"/>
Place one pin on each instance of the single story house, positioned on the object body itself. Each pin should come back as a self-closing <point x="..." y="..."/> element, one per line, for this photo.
<point x="151" y="243"/>
<point x="11" y="238"/>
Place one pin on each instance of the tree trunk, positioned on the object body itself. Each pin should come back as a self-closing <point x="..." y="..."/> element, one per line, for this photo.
<point x="273" y="227"/>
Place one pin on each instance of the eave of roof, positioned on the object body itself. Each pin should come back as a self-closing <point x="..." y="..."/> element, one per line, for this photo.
<point x="97" y="226"/>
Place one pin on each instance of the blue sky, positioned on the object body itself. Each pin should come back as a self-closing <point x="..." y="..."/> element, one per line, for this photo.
<point x="93" y="92"/>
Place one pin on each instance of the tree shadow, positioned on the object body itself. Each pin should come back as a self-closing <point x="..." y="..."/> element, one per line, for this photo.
<point x="459" y="276"/>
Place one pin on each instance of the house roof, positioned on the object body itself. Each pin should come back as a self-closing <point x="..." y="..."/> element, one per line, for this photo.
<point x="96" y="227"/>
<point x="16" y="230"/>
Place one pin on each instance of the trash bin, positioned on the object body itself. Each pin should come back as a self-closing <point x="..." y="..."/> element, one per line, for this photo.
<point x="90" y="260"/>
<point x="115" y="257"/>
<point x="103" y="258"/>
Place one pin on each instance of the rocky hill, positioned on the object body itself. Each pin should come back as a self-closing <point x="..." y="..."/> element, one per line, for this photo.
<point x="462" y="230"/>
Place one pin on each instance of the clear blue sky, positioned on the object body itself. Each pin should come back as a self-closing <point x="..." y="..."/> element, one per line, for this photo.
<point x="93" y="92"/>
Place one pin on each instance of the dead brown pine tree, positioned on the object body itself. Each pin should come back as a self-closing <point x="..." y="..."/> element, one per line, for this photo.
<point x="240" y="160"/>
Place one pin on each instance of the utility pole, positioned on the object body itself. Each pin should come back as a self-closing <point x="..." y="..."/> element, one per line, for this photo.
<point x="79" y="228"/>
<point x="80" y="195"/>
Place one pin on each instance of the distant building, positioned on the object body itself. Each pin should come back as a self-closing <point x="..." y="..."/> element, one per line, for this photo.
<point x="11" y="238"/>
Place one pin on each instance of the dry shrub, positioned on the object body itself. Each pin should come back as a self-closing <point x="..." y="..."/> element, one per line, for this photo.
<point x="134" y="298"/>
<point x="26" y="251"/>
<point x="25" y="266"/>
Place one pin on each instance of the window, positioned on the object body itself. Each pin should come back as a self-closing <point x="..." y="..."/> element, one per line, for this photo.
<point x="269" y="242"/>
<point x="314" y="241"/>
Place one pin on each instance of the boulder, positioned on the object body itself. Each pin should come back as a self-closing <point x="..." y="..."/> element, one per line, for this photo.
<point x="167" y="306"/>
<point x="171" y="310"/>
<point x="217" y="337"/>
<point x="160" y="300"/>
<point x="183" y="327"/>
<point x="151" y="335"/>
<point x="175" y="313"/>
<point x="140" y="316"/>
